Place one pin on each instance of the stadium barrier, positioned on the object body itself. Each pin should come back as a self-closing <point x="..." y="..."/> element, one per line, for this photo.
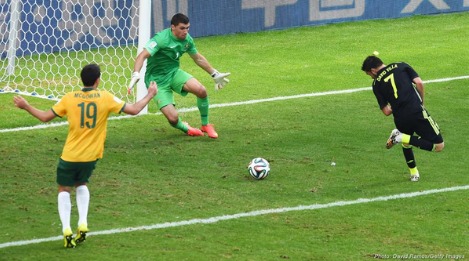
<point x="44" y="42"/>
<point x="208" y="17"/>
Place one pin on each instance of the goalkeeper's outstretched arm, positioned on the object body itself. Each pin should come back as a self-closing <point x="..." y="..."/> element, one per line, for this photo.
<point x="141" y="57"/>
<point x="219" y="78"/>
<point x="202" y="62"/>
<point x="137" y="67"/>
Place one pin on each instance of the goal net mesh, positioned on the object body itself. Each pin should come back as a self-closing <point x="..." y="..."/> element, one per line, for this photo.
<point x="44" y="44"/>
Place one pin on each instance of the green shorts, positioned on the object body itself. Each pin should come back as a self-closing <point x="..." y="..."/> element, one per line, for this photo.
<point x="168" y="84"/>
<point x="71" y="173"/>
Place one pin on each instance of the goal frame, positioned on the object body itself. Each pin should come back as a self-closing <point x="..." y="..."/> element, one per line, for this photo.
<point x="143" y="11"/>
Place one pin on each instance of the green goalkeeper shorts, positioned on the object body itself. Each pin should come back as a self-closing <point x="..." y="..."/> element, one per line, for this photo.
<point x="72" y="173"/>
<point x="167" y="84"/>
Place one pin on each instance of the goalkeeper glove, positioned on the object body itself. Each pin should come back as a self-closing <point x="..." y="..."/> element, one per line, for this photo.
<point x="220" y="79"/>
<point x="133" y="81"/>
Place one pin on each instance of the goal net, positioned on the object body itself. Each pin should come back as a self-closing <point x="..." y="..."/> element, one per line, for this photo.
<point x="44" y="44"/>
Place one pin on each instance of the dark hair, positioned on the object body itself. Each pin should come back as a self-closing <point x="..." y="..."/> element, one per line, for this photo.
<point x="371" y="62"/>
<point x="89" y="74"/>
<point x="179" y="19"/>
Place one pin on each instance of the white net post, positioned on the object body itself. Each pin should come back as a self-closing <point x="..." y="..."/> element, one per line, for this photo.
<point x="143" y="37"/>
<point x="15" y="9"/>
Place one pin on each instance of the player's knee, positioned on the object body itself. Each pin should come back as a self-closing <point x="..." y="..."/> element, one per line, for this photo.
<point x="171" y="114"/>
<point x="201" y="92"/>
<point x="439" y="147"/>
<point x="195" y="87"/>
<point x="173" y="120"/>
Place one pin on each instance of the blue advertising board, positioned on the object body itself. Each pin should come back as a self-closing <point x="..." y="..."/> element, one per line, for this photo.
<point x="52" y="25"/>
<point x="214" y="17"/>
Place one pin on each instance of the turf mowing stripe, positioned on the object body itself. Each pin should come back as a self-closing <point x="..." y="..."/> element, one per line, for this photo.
<point x="246" y="214"/>
<point x="280" y="98"/>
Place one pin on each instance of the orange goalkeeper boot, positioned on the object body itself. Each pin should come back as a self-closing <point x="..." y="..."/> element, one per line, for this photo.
<point x="191" y="131"/>
<point x="210" y="130"/>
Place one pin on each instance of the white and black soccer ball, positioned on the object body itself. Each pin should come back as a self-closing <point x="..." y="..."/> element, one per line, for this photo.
<point x="259" y="168"/>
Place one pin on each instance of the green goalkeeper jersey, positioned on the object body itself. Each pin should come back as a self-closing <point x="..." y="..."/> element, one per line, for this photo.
<point x="166" y="50"/>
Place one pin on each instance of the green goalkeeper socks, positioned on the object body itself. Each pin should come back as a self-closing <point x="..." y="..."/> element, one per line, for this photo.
<point x="180" y="125"/>
<point x="202" y="104"/>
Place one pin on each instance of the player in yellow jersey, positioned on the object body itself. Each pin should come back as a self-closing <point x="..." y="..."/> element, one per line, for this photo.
<point x="87" y="113"/>
<point x="162" y="54"/>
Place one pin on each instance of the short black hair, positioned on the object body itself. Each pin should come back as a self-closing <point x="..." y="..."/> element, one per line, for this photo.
<point x="371" y="62"/>
<point x="89" y="74"/>
<point x="179" y="19"/>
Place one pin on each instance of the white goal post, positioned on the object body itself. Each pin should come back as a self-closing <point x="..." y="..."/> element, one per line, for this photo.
<point x="45" y="44"/>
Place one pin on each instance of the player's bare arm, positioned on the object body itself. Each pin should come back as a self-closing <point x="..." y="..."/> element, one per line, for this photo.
<point x="387" y="110"/>
<point x="134" y="109"/>
<point x="142" y="56"/>
<point x="419" y="86"/>
<point x="137" y="67"/>
<point x="202" y="62"/>
<point x="43" y="116"/>
<point x="219" y="78"/>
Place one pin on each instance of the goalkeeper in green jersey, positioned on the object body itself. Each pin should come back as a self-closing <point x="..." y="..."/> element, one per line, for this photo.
<point x="162" y="53"/>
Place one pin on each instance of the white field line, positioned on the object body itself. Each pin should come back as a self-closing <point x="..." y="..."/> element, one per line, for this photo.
<point x="280" y="98"/>
<point x="242" y="215"/>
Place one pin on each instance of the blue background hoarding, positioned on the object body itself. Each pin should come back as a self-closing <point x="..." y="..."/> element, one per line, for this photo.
<point x="44" y="30"/>
<point x="223" y="17"/>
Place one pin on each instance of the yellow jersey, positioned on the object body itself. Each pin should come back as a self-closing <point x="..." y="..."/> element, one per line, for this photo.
<point x="87" y="112"/>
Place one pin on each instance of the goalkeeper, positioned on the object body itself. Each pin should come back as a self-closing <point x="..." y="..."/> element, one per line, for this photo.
<point x="162" y="53"/>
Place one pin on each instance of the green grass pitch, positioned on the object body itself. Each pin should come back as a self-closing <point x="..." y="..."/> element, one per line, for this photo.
<point x="153" y="174"/>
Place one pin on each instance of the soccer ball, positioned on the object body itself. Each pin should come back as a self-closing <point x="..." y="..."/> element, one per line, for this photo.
<point x="259" y="168"/>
